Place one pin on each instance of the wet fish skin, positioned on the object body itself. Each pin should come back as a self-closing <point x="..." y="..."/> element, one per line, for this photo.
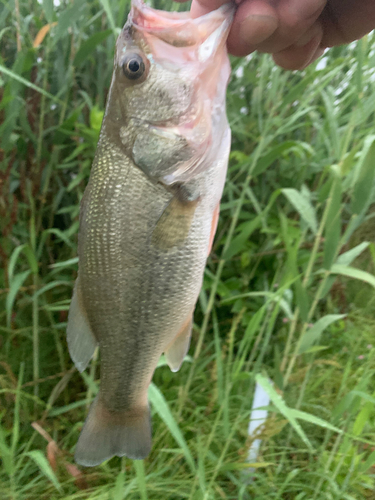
<point x="146" y="226"/>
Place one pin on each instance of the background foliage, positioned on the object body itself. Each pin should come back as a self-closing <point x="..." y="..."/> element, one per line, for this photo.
<point x="288" y="290"/>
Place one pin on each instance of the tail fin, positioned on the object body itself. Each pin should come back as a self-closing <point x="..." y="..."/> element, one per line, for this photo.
<point x="106" y="434"/>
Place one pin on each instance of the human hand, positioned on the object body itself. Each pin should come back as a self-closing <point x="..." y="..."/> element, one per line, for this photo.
<point x="295" y="32"/>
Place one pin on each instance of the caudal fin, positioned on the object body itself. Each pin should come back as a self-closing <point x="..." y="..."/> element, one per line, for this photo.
<point x="106" y="434"/>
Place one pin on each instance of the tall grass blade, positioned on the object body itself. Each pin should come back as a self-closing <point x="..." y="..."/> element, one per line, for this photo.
<point x="88" y="47"/>
<point x="161" y="407"/>
<point x="278" y="401"/>
<point x="41" y="461"/>
<point x="141" y="477"/>
<point x="313" y="334"/>
<point x="28" y="84"/>
<point x="307" y="417"/>
<point x="365" y="177"/>
<point x="15" y="285"/>
<point x="108" y="11"/>
<point x="332" y="229"/>
<point x="304" y="207"/>
<point x="346" y="258"/>
<point x="352" y="272"/>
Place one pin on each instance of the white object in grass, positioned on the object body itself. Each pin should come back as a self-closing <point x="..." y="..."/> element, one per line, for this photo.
<point x="258" y="416"/>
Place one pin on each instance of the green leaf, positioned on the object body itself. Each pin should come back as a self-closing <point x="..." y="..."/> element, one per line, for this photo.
<point x="364" y="396"/>
<point x="91" y="384"/>
<point x="118" y="489"/>
<point x="303" y="206"/>
<point x="51" y="285"/>
<point x="64" y="409"/>
<point x="364" y="467"/>
<point x="6" y="454"/>
<point x="48" y="10"/>
<point x="352" y="272"/>
<point x="16" y="419"/>
<point x="68" y="17"/>
<point x="247" y="465"/>
<point x="313" y="334"/>
<point x="161" y="407"/>
<point x="302" y="299"/>
<point x="271" y="156"/>
<point x="278" y="401"/>
<point x="238" y="243"/>
<point x="332" y="230"/>
<point x="15" y="286"/>
<point x="89" y="46"/>
<point x="363" y="417"/>
<point x="96" y="118"/>
<point x="108" y="11"/>
<point x="316" y="348"/>
<point x="44" y="467"/>
<point x="13" y="261"/>
<point x="33" y="263"/>
<point x="365" y="177"/>
<point x="25" y="82"/>
<point x="331" y="118"/>
<point x="141" y="477"/>
<point x="59" y="234"/>
<point x="65" y="263"/>
<point x="347" y="258"/>
<point x="307" y="417"/>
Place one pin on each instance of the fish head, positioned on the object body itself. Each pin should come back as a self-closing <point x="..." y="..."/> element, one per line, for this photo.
<point x="169" y="82"/>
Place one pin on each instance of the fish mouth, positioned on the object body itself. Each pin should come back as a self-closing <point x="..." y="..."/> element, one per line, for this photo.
<point x="195" y="48"/>
<point x="178" y="28"/>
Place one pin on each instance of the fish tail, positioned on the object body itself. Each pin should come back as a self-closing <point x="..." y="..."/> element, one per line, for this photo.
<point x="109" y="433"/>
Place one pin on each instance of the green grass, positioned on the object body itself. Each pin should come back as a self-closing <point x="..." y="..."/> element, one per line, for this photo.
<point x="288" y="293"/>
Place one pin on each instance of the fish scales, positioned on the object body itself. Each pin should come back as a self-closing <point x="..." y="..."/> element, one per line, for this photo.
<point x="146" y="226"/>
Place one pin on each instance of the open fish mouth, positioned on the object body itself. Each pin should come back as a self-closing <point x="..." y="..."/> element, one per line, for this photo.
<point x="179" y="29"/>
<point x="195" y="51"/>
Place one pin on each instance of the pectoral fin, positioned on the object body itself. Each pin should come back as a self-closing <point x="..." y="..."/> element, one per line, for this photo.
<point x="178" y="349"/>
<point x="81" y="340"/>
<point x="174" y="224"/>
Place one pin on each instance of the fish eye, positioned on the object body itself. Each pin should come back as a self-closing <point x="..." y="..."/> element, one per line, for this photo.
<point x="133" y="66"/>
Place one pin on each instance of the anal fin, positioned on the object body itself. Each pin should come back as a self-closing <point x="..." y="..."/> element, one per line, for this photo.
<point x="178" y="349"/>
<point x="81" y="340"/>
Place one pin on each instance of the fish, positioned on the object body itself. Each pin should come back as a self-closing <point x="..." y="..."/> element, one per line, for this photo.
<point x="148" y="217"/>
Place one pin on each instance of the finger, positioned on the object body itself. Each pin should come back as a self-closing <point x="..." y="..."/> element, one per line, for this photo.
<point x="318" y="53"/>
<point x="254" y="22"/>
<point x="294" y="18"/>
<point x="301" y="54"/>
<point x="344" y="22"/>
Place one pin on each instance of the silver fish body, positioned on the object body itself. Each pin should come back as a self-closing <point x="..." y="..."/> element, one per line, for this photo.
<point x="148" y="217"/>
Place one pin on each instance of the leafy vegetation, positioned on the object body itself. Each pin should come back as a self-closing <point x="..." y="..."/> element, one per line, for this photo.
<point x="288" y="290"/>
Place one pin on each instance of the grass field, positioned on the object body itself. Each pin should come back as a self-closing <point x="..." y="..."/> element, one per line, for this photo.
<point x="288" y="298"/>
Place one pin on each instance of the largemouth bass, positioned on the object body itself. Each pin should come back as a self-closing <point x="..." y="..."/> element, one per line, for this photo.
<point x="148" y="216"/>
